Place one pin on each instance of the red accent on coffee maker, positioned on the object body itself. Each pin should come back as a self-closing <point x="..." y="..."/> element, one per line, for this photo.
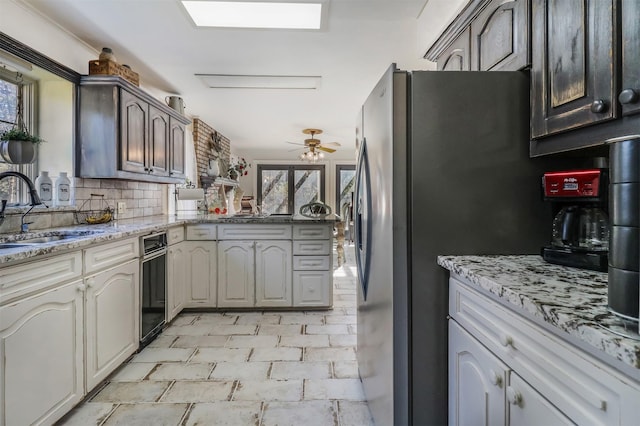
<point x="573" y="184"/>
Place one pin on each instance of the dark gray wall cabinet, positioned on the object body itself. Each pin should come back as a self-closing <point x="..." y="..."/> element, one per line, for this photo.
<point x="456" y="56"/>
<point x="126" y="134"/>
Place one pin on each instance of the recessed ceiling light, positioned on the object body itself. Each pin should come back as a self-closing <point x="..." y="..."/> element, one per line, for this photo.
<point x="229" y="81"/>
<point x="254" y="14"/>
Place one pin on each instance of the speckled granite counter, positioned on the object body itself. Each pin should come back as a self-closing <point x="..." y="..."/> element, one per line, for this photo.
<point x="86" y="235"/>
<point x="572" y="301"/>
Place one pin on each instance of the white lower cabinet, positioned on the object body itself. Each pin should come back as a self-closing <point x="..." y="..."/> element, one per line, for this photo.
<point x="41" y="348"/>
<point x="200" y="274"/>
<point x="273" y="273"/>
<point x="312" y="288"/>
<point x="112" y="310"/>
<point x="546" y="380"/>
<point x="176" y="279"/>
<point x="236" y="274"/>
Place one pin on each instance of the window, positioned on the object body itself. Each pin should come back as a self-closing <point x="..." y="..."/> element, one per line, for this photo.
<point x="14" y="190"/>
<point x="283" y="189"/>
<point x="345" y="183"/>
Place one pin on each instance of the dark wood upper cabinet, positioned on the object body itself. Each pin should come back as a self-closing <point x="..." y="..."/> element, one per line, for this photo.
<point x="124" y="133"/>
<point x="456" y="56"/>
<point x="629" y="96"/>
<point x="573" y="81"/>
<point x="500" y="36"/>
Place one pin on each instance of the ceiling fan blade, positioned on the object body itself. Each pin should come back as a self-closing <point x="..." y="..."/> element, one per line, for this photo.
<point x="295" y="143"/>
<point x="322" y="148"/>
<point x="332" y="144"/>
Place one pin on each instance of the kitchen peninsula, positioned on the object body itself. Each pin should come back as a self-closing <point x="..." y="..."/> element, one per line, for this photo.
<point x="539" y="339"/>
<point x="76" y="291"/>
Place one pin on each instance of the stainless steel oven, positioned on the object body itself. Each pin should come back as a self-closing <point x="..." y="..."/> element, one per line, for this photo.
<point x="153" y="298"/>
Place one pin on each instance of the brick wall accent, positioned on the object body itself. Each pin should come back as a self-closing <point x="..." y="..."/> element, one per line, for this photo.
<point x="202" y="140"/>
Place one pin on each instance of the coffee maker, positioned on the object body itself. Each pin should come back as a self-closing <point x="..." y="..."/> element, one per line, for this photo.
<point x="580" y="232"/>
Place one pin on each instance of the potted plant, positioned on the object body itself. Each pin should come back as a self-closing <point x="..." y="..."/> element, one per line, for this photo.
<point x="17" y="146"/>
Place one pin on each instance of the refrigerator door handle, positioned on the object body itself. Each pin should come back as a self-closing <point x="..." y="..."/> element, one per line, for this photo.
<point x="362" y="220"/>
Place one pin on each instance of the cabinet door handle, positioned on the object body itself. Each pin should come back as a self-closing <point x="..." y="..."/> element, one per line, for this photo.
<point x="495" y="378"/>
<point x="506" y="340"/>
<point x="258" y="245"/>
<point x="91" y="282"/>
<point x="598" y="106"/>
<point x="628" y="96"/>
<point x="80" y="288"/>
<point x="513" y="396"/>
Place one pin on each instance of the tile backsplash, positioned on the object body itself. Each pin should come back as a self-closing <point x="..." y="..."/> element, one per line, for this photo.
<point x="141" y="199"/>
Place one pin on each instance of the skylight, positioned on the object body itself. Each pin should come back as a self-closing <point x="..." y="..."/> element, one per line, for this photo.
<point x="254" y="14"/>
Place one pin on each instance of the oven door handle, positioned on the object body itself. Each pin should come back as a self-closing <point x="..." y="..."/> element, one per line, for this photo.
<point x="154" y="254"/>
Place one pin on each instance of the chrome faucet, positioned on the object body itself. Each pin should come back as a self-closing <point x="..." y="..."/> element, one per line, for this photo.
<point x="35" y="199"/>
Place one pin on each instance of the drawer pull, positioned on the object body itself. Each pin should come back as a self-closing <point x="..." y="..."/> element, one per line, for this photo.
<point x="513" y="396"/>
<point x="506" y="340"/>
<point x="495" y="378"/>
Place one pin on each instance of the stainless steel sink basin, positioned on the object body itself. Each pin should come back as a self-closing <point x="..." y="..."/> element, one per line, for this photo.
<point x="46" y="238"/>
<point x="42" y="240"/>
<point x="13" y="245"/>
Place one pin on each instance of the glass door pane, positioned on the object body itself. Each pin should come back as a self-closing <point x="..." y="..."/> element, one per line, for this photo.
<point x="275" y="191"/>
<point x="307" y="188"/>
<point x="346" y="179"/>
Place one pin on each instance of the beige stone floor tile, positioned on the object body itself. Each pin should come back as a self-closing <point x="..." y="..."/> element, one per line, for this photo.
<point x="353" y="329"/>
<point x="327" y="329"/>
<point x="301" y="318"/>
<point x="330" y="354"/>
<point x="343" y="340"/>
<point x="347" y="389"/>
<point x="341" y="319"/>
<point x="241" y="370"/>
<point x="305" y="413"/>
<point x="319" y="313"/>
<point x="131" y="392"/>
<point x="300" y="370"/>
<point x="164" y="355"/>
<point x="181" y="371"/>
<point x="185" y="319"/>
<point x="305" y="341"/>
<point x="276" y="354"/>
<point x="188" y="330"/>
<point x="354" y="413"/>
<point x="199" y="391"/>
<point x="215" y="318"/>
<point x="162" y="342"/>
<point x="147" y="414"/>
<point x="280" y="330"/>
<point x="252" y="342"/>
<point x="221" y="354"/>
<point x="345" y="370"/>
<point x="232" y="330"/>
<point x="132" y="372"/>
<point x="350" y="311"/>
<point x="257" y="319"/>
<point x="269" y="390"/>
<point x="90" y="413"/>
<point x="225" y="413"/>
<point x="200" y="341"/>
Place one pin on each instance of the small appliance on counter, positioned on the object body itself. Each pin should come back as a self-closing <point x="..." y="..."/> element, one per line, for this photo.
<point x="580" y="234"/>
<point x="624" y="259"/>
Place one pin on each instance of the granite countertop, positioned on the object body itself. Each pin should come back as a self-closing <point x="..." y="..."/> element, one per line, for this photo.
<point x="86" y="235"/>
<point x="572" y="301"/>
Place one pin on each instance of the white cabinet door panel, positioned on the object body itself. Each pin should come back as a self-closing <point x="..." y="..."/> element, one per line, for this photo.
<point x="42" y="350"/>
<point x="236" y="273"/>
<point x="176" y="279"/>
<point x="528" y="408"/>
<point x="273" y="273"/>
<point x="201" y="258"/>
<point x="312" y="288"/>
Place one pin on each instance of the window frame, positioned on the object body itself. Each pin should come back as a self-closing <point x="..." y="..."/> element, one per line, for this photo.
<point x="291" y="169"/>
<point x="339" y="168"/>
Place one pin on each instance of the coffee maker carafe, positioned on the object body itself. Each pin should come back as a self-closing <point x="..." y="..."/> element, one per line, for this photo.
<point x="580" y="232"/>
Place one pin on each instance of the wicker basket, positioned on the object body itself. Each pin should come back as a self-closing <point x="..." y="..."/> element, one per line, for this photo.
<point x="94" y="211"/>
<point x="107" y="67"/>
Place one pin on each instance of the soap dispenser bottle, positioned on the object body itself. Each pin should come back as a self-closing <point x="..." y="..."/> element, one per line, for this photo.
<point x="63" y="190"/>
<point x="44" y="186"/>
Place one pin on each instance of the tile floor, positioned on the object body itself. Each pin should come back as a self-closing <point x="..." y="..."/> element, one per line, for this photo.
<point x="236" y="368"/>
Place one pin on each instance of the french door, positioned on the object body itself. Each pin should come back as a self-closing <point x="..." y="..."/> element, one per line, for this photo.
<point x="283" y="189"/>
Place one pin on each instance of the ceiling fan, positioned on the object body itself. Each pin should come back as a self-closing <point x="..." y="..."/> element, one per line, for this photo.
<point x="313" y="145"/>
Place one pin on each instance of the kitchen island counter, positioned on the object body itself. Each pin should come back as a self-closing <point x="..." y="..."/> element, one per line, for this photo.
<point x="93" y="234"/>
<point x="570" y="302"/>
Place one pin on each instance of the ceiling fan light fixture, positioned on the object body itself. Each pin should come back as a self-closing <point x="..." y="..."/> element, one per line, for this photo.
<point x="236" y="14"/>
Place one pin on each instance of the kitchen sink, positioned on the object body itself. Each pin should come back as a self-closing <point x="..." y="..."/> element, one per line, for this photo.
<point x="13" y="245"/>
<point x="47" y="237"/>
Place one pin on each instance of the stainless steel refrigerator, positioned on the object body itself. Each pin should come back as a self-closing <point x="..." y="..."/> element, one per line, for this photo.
<point x="443" y="168"/>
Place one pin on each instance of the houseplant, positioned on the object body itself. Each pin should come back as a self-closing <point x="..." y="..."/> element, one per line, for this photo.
<point x="18" y="146"/>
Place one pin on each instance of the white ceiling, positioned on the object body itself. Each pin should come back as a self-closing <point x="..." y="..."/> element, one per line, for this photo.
<point x="359" y="40"/>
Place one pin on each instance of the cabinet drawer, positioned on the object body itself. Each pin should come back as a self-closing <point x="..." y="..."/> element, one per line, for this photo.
<point x="312" y="232"/>
<point x="175" y="235"/>
<point x="584" y="389"/>
<point x="30" y="277"/>
<point x="311" y="263"/>
<point x="112" y="254"/>
<point x="313" y="247"/>
<point x="202" y="232"/>
<point x="254" y="232"/>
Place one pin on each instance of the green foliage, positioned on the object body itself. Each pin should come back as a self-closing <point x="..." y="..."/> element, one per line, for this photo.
<point x="19" y="135"/>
